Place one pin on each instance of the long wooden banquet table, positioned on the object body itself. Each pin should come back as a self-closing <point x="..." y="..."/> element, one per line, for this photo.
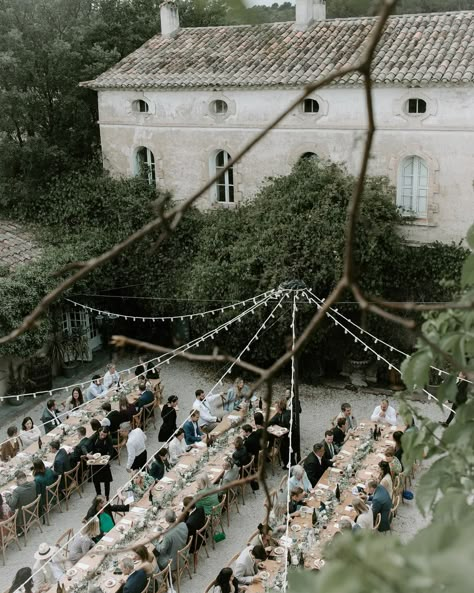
<point x="302" y="538"/>
<point x="145" y="517"/>
<point x="66" y="433"/>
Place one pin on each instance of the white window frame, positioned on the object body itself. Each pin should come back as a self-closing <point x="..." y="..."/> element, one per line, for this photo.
<point x="311" y="101"/>
<point x="416" y="113"/>
<point x="229" y="187"/>
<point x="78" y="319"/>
<point x="413" y="187"/>
<point x="137" y="104"/>
<point x="150" y="163"/>
<point x="223" y="107"/>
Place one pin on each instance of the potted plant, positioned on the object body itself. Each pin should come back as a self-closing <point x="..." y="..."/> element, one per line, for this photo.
<point x="18" y="382"/>
<point x="76" y="349"/>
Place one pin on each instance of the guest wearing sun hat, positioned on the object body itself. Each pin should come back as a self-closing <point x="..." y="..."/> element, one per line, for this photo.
<point x="49" y="567"/>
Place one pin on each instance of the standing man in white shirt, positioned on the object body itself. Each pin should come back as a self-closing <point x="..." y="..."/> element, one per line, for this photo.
<point x="207" y="422"/>
<point x="95" y="389"/>
<point x="384" y="414"/>
<point x="136" y="449"/>
<point x="111" y="377"/>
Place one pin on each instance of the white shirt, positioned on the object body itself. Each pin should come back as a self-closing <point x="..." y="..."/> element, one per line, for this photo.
<point x="136" y="444"/>
<point x="94" y="391"/>
<point x="28" y="437"/>
<point x="389" y="418"/>
<point x="110" y="379"/>
<point x="205" y="416"/>
<point x="176" y="449"/>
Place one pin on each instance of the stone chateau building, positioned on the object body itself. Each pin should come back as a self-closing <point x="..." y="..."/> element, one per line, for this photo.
<point x="180" y="106"/>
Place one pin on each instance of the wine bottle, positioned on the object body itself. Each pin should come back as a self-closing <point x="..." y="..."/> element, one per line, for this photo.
<point x="40" y="443"/>
<point x="376" y="434"/>
<point x="260" y="403"/>
<point x="150" y="496"/>
<point x="315" y="517"/>
<point x="301" y="558"/>
<point x="338" y="492"/>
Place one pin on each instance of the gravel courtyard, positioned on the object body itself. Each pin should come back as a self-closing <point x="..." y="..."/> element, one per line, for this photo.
<point x="320" y="405"/>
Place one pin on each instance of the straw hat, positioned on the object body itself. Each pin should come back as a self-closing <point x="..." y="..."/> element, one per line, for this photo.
<point x="44" y="552"/>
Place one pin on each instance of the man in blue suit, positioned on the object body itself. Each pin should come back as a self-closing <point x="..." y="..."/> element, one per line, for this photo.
<point x="136" y="581"/>
<point x="192" y="432"/>
<point x="381" y="503"/>
<point x="146" y="396"/>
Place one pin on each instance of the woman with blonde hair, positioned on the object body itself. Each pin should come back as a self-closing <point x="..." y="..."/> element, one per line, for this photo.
<point x="364" y="518"/>
<point x="300" y="479"/>
<point x="146" y="560"/>
<point x="84" y="540"/>
<point x="207" y="502"/>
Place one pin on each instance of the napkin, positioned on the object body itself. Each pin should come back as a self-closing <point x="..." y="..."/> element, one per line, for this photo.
<point x="182" y="466"/>
<point x="233" y="417"/>
<point x="138" y="510"/>
<point x="345" y="452"/>
<point x="83" y="566"/>
<point x="106" y="538"/>
<point x="129" y="500"/>
<point x="167" y="480"/>
<point x="217" y="470"/>
<point x="322" y="486"/>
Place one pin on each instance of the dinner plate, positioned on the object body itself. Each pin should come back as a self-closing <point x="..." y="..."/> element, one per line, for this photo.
<point x="279" y="550"/>
<point x="110" y="582"/>
<point x="159" y="487"/>
<point x="71" y="572"/>
<point x="264" y="575"/>
<point x="96" y="456"/>
<point x="318" y="492"/>
<point x="296" y="527"/>
<point x="99" y="547"/>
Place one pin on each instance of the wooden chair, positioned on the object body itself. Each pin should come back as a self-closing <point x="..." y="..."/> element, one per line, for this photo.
<point x="64" y="540"/>
<point x="232" y="501"/>
<point x="161" y="580"/>
<point x="147" y="586"/>
<point x="71" y="484"/>
<point x="216" y="519"/>
<point x="378" y="518"/>
<point x="8" y="533"/>
<point x="84" y="472"/>
<point x="137" y="419"/>
<point x="149" y="415"/>
<point x="245" y="472"/>
<point x="200" y="541"/>
<point x="122" y="439"/>
<point x="396" y="488"/>
<point x="252" y="536"/>
<point x="232" y="560"/>
<point x="275" y="454"/>
<point x="53" y="498"/>
<point x="394" y="509"/>
<point x="182" y="564"/>
<point x="31" y="515"/>
<point x="210" y="587"/>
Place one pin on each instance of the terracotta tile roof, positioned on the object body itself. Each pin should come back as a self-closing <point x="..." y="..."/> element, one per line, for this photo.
<point x="16" y="246"/>
<point x="415" y="50"/>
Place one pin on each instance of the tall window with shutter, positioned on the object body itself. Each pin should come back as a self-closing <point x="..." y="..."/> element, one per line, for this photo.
<point x="412" y="191"/>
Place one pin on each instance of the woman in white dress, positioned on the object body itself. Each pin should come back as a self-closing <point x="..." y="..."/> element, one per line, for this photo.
<point x="177" y="447"/>
<point x="29" y="433"/>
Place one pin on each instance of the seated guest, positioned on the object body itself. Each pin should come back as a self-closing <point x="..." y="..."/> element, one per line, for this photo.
<point x="395" y="465"/>
<point x="76" y="400"/>
<point x="226" y="582"/>
<point x="259" y="422"/>
<point x="397" y="439"/>
<point x="231" y="472"/>
<point x="62" y="462"/>
<point x="195" y="519"/>
<point x="50" y="418"/>
<point x="146" y="396"/>
<point x="329" y="447"/>
<point x="111" y="377"/>
<point x="44" y="477"/>
<point x="146" y="560"/>
<point x="141" y="483"/>
<point x="113" y="416"/>
<point x="247" y="564"/>
<point x="175" y="539"/>
<point x="381" y="503"/>
<point x="252" y="440"/>
<point x="364" y="515"/>
<point x="126" y="411"/>
<point x="299" y="479"/>
<point x="160" y="464"/>
<point x="315" y="464"/>
<point x="296" y="500"/>
<point x="265" y="538"/>
<point x="240" y="456"/>
<point x="339" y="433"/>
<point x="49" y="567"/>
<point x="83" y="447"/>
<point x="29" y="432"/>
<point x="207" y="421"/>
<point x="22" y="495"/>
<point x="345" y="524"/>
<point x="192" y="432"/>
<point x="22" y="581"/>
<point x="11" y="446"/>
<point x="84" y="540"/>
<point x="207" y="502"/>
<point x="136" y="579"/>
<point x="177" y="447"/>
<point x="346" y="413"/>
<point x="235" y="395"/>
<point x="384" y="414"/>
<point x="277" y="518"/>
<point x="95" y="389"/>
<point x="386" y="477"/>
<point x="101" y="507"/>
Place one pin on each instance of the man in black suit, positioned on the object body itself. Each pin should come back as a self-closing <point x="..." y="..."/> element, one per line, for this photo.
<point x="113" y="416"/>
<point x="252" y="441"/>
<point x="315" y="464"/>
<point x="61" y="463"/>
<point x="381" y="503"/>
<point x="146" y="396"/>
<point x="136" y="580"/>
<point x="196" y="519"/>
<point x="329" y="448"/>
<point x="83" y="447"/>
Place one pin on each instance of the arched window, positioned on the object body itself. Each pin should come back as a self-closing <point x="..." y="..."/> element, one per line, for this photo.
<point x="145" y="162"/>
<point x="416" y="106"/>
<point x="412" y="193"/>
<point x="306" y="156"/>
<point x="225" y="183"/>
<point x="140" y="106"/>
<point x="219" y="107"/>
<point x="310" y="106"/>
